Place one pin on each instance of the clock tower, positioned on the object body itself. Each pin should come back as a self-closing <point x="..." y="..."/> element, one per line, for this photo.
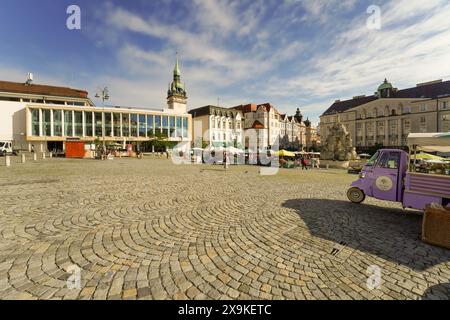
<point x="176" y="95"/>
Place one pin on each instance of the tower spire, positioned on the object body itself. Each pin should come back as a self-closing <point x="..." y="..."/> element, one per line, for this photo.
<point x="176" y="70"/>
<point x="176" y="87"/>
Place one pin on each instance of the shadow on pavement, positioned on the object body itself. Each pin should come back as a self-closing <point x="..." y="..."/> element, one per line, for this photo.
<point x="437" y="292"/>
<point x="391" y="234"/>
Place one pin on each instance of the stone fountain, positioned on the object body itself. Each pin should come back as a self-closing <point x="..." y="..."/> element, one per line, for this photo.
<point x="339" y="145"/>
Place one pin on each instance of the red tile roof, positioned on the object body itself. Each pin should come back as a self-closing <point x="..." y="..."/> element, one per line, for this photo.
<point x="44" y="90"/>
<point x="246" y="108"/>
<point x="257" y="125"/>
<point x="267" y="106"/>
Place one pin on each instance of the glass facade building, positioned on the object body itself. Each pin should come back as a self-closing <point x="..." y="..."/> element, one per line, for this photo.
<point x="61" y="123"/>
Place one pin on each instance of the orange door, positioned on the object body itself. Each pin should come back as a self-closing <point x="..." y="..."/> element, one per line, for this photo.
<point x="74" y="149"/>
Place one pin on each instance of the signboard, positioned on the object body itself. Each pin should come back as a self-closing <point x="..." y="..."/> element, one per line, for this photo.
<point x="384" y="183"/>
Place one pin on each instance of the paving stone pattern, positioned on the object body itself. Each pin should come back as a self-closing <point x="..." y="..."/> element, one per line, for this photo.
<point x="148" y="229"/>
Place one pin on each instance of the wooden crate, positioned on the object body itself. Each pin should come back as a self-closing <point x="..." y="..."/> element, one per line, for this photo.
<point x="436" y="227"/>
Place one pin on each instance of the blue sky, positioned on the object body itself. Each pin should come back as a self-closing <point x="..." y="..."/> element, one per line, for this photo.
<point x="292" y="53"/>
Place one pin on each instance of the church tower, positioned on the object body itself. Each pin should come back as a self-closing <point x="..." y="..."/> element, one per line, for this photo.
<point x="176" y="95"/>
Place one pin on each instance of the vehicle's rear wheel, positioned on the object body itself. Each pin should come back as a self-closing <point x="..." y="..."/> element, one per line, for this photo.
<point x="355" y="195"/>
<point x="4" y="153"/>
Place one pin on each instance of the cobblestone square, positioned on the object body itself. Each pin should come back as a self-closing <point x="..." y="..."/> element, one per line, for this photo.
<point x="148" y="229"/>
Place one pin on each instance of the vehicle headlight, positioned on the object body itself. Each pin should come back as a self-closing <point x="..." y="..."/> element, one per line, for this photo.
<point x="362" y="174"/>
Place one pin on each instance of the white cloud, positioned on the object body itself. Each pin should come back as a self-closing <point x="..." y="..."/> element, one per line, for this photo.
<point x="216" y="14"/>
<point x="411" y="47"/>
<point x="294" y="53"/>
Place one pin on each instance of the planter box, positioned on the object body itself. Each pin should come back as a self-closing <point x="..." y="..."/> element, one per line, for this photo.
<point x="436" y="227"/>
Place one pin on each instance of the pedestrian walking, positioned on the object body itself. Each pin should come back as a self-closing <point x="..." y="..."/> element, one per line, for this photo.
<point x="32" y="148"/>
<point x="225" y="162"/>
<point x="304" y="164"/>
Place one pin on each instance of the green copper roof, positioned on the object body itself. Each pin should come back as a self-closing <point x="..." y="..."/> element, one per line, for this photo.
<point x="176" y="71"/>
<point x="385" y="85"/>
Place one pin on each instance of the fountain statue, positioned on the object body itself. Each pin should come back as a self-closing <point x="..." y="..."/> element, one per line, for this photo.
<point x="338" y="145"/>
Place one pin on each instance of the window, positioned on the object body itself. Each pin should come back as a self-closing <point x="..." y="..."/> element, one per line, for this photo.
<point x="389" y="160"/>
<point x="165" y="126"/>
<point x="446" y="123"/>
<point x="158" y="124"/>
<point x="372" y="160"/>
<point x="125" y="125"/>
<point x="172" y="133"/>
<point x="134" y="125"/>
<point x="444" y="105"/>
<point x="185" y="127"/>
<point x="98" y="124"/>
<point x="88" y="124"/>
<point x="46" y="123"/>
<point x="55" y="102"/>
<point x="108" y="124"/>
<point x="68" y="127"/>
<point x="407" y="125"/>
<point x="57" y="123"/>
<point x="423" y="108"/>
<point x="35" y="122"/>
<point x="116" y="121"/>
<point x="142" y="125"/>
<point x="179" y="132"/>
<point x="78" y="117"/>
<point x="150" y="125"/>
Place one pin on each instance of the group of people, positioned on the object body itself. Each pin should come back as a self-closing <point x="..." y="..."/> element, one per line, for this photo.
<point x="306" y="161"/>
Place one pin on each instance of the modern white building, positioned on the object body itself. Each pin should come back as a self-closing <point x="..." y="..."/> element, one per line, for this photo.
<point x="47" y="116"/>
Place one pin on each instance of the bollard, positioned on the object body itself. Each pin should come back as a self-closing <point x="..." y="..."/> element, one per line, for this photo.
<point x="8" y="161"/>
<point x="34" y="156"/>
<point x="43" y="155"/>
<point x="50" y="155"/>
<point x="22" y="156"/>
<point x="328" y="166"/>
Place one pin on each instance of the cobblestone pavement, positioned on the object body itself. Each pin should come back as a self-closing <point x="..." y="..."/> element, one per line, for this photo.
<point x="147" y="229"/>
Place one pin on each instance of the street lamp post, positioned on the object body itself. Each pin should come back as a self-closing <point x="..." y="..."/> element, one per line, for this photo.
<point x="104" y="95"/>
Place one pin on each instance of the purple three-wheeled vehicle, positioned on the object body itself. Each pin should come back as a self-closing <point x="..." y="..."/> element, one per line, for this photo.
<point x="389" y="175"/>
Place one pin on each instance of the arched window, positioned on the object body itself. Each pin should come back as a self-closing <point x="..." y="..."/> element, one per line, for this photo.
<point x="393" y="112"/>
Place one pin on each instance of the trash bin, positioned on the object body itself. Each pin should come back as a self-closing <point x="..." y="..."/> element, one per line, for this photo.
<point x="436" y="226"/>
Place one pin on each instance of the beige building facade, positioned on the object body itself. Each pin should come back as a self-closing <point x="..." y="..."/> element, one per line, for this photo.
<point x="216" y="126"/>
<point x="386" y="118"/>
<point x="275" y="129"/>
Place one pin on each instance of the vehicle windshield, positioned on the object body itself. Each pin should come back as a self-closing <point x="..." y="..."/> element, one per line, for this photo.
<point x="372" y="160"/>
<point x="2" y="144"/>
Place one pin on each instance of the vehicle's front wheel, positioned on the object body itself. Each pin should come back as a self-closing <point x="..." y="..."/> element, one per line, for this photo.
<point x="355" y="195"/>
